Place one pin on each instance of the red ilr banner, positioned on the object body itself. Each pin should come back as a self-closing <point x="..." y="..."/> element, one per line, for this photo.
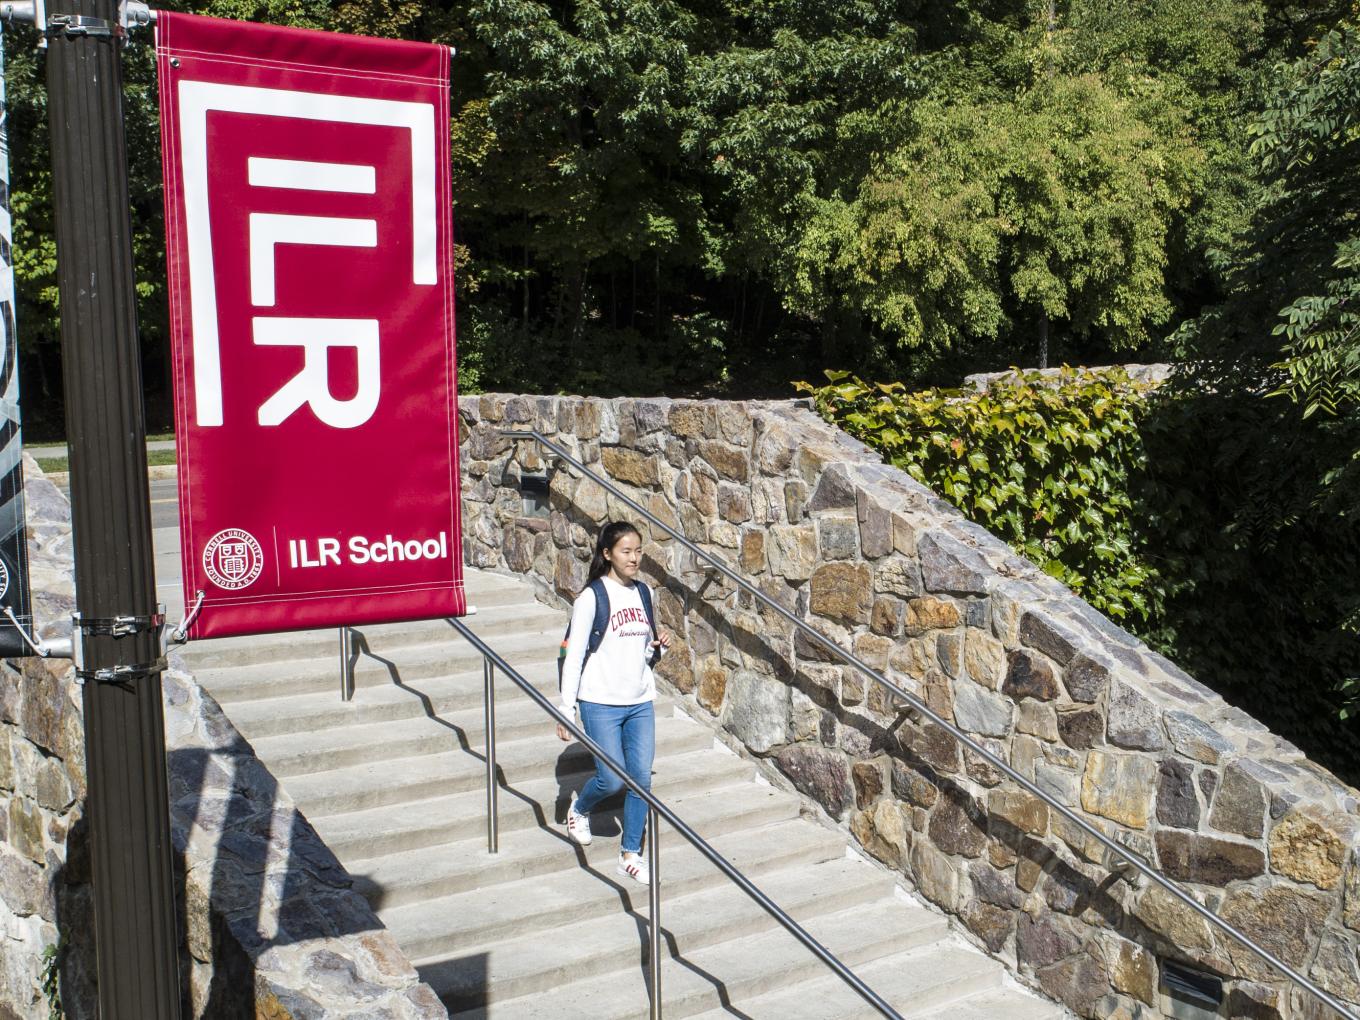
<point x="310" y="245"/>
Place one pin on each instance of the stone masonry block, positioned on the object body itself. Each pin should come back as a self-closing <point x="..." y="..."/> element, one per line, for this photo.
<point x="841" y="591"/>
<point x="1119" y="787"/>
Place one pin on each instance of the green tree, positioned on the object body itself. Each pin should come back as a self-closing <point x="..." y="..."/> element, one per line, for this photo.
<point x="1052" y="206"/>
<point x="666" y="195"/>
<point x="579" y="188"/>
<point x="1258" y="518"/>
<point x="1309" y="140"/>
<point x="639" y="170"/>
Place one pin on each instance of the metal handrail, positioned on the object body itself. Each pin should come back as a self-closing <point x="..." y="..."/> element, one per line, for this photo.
<point x="656" y="809"/>
<point x="1120" y="852"/>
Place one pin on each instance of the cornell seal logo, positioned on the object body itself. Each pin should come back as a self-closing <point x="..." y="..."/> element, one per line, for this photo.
<point x="233" y="559"/>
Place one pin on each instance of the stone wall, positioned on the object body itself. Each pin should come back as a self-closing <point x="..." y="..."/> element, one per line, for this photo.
<point x="874" y="560"/>
<point x="44" y="871"/>
<point x="1151" y="375"/>
<point x="273" y="929"/>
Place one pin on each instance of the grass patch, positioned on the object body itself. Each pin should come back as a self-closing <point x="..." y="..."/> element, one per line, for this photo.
<point x="154" y="458"/>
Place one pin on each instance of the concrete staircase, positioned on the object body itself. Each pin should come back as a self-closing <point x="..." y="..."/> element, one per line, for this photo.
<point x="394" y="781"/>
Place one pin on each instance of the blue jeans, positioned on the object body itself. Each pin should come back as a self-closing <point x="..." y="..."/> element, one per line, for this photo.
<point x="627" y="733"/>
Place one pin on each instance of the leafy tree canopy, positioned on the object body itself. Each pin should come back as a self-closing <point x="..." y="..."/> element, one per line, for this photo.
<point x="1257" y="521"/>
<point x="1054" y="204"/>
<point x="662" y="194"/>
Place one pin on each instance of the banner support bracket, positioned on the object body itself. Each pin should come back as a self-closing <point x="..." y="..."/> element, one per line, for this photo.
<point x="79" y="24"/>
<point x="180" y="634"/>
<point x="60" y="649"/>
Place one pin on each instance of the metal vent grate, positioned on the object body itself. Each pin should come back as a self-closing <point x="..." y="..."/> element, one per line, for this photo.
<point x="1190" y="994"/>
<point x="533" y="490"/>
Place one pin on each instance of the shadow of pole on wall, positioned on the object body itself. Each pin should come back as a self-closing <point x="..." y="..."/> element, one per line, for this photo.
<point x="77" y="969"/>
<point x="270" y="881"/>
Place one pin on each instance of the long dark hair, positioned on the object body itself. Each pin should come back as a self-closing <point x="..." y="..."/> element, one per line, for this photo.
<point x="609" y="537"/>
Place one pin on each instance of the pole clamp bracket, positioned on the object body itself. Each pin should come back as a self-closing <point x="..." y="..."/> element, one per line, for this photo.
<point x="72" y="25"/>
<point x="122" y="676"/>
<point x="131" y="14"/>
<point x="118" y="626"/>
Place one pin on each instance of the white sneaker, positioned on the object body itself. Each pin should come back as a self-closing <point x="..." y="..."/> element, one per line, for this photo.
<point x="578" y="826"/>
<point x="634" y="867"/>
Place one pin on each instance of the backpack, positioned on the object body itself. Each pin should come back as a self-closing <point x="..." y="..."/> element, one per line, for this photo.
<point x="601" y="624"/>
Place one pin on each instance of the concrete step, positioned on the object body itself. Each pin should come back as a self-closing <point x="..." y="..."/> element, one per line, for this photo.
<point x="397" y="828"/>
<point x="535" y="656"/>
<point x="320" y="676"/>
<point x="1012" y="1003"/>
<point x="394" y="781"/>
<point x="448" y="687"/>
<point x="535" y="777"/>
<point x="713" y="976"/>
<point x="502" y="614"/>
<point x="292" y="754"/>
<point x="548" y="932"/>
<point x="448" y="869"/>
<point x="295" y="754"/>
<point x="533" y="646"/>
<point x="944" y="981"/>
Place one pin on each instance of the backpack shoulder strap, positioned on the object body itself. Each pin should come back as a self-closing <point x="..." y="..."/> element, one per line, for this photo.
<point x="601" y="623"/>
<point x="597" y="629"/>
<point x="645" y="594"/>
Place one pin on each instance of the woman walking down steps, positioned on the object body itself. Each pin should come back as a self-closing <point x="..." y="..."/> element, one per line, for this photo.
<point x="607" y="676"/>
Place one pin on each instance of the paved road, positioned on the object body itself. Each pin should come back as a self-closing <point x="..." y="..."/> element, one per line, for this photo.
<point x="164" y="514"/>
<point x="164" y="502"/>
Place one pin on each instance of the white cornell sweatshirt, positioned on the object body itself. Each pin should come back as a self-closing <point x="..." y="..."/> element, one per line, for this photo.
<point x="617" y="672"/>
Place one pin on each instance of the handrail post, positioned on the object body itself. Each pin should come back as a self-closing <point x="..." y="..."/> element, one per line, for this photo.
<point x="489" y="705"/>
<point x="346" y="665"/>
<point x="654" y="905"/>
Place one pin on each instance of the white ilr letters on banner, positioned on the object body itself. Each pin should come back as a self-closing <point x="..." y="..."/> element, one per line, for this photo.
<point x="310" y="387"/>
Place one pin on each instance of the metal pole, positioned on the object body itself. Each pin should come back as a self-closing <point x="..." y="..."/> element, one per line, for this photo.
<point x="654" y="905"/>
<point x="489" y="701"/>
<point x="130" y="848"/>
<point x="346" y="664"/>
